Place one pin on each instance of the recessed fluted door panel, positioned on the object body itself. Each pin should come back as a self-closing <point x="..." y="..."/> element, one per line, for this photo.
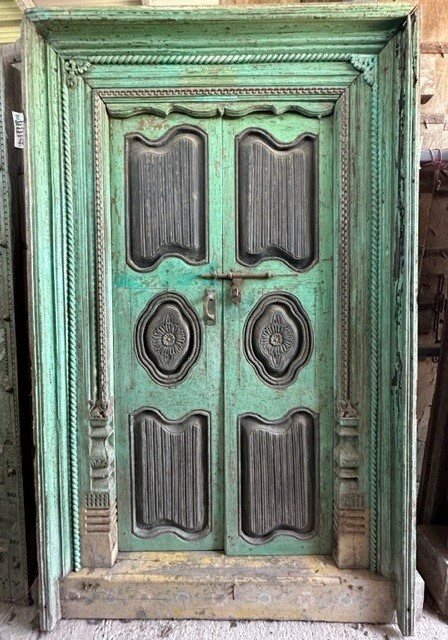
<point x="170" y="474"/>
<point x="277" y="199"/>
<point x="277" y="475"/>
<point x="167" y="197"/>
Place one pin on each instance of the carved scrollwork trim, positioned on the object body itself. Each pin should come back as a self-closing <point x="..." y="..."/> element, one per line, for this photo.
<point x="350" y="515"/>
<point x="227" y="58"/>
<point x="223" y="111"/>
<point x="100" y="231"/>
<point x="344" y="283"/>
<point x="187" y="92"/>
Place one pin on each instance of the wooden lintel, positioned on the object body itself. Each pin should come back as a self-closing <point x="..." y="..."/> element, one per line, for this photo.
<point x="210" y="585"/>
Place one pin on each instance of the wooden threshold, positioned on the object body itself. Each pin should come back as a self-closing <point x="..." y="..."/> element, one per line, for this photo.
<point x="211" y="585"/>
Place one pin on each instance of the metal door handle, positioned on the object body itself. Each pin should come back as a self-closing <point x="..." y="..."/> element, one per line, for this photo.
<point x="210" y="306"/>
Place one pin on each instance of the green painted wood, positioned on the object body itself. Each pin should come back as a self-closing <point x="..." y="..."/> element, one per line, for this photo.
<point x="132" y="291"/>
<point x="13" y="551"/>
<point x="244" y="391"/>
<point x="125" y="62"/>
<point x="47" y="283"/>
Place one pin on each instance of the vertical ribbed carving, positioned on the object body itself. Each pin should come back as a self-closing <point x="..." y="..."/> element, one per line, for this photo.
<point x="278" y="475"/>
<point x="167" y="197"/>
<point x="277" y="199"/>
<point x="170" y="474"/>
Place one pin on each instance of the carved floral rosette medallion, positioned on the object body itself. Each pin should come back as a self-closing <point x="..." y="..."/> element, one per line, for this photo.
<point x="168" y="338"/>
<point x="278" y="338"/>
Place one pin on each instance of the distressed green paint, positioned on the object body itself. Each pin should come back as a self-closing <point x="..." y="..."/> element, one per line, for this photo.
<point x="244" y="391"/>
<point x="132" y="290"/>
<point x="121" y="50"/>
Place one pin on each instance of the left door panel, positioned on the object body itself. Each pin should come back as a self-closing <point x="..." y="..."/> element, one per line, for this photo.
<point x="166" y="233"/>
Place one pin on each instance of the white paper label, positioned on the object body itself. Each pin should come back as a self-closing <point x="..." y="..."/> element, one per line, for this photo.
<point x="19" y="129"/>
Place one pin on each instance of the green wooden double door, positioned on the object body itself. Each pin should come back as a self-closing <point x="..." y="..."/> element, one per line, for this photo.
<point x="223" y="279"/>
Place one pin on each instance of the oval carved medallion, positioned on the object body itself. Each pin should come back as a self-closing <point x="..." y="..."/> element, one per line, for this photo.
<point x="168" y="338"/>
<point x="278" y="338"/>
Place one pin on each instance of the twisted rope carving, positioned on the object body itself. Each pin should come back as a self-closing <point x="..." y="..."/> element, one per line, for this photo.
<point x="71" y="321"/>
<point x="375" y="228"/>
<point x="345" y="266"/>
<point x="231" y="58"/>
<point x="102" y="392"/>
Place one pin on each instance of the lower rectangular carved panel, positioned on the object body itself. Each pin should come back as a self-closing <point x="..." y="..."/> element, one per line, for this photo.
<point x="278" y="475"/>
<point x="170" y="475"/>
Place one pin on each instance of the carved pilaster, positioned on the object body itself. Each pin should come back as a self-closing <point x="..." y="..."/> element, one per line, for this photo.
<point x="351" y="518"/>
<point x="99" y="540"/>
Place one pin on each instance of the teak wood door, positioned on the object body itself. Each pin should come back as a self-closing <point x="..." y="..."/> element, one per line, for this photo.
<point x="222" y="243"/>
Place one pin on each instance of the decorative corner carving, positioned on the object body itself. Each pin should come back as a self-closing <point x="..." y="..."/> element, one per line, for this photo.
<point x="350" y="516"/>
<point x="347" y="410"/>
<point x="75" y="68"/>
<point x="366" y="65"/>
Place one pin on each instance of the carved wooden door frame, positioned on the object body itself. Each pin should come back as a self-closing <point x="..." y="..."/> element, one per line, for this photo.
<point x="364" y="71"/>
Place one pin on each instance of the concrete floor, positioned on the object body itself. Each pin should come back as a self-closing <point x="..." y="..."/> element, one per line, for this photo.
<point x="20" y="623"/>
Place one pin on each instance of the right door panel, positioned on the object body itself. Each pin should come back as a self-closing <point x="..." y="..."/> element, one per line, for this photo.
<point x="278" y="234"/>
